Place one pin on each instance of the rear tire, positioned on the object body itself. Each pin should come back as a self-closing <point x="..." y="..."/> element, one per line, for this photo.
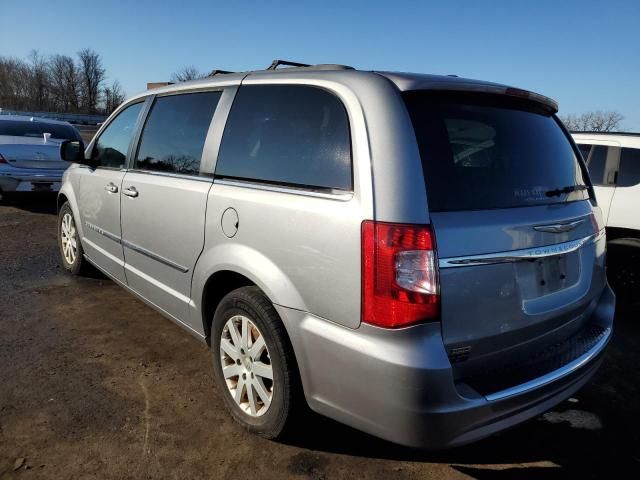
<point x="243" y="320"/>
<point x="69" y="245"/>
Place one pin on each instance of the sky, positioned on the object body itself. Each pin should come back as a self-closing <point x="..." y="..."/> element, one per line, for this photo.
<point x="585" y="54"/>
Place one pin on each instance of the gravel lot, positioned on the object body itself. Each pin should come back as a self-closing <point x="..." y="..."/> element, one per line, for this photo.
<point x="94" y="384"/>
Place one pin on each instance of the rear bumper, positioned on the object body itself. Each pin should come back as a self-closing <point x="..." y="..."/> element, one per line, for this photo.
<point x="399" y="384"/>
<point x="28" y="179"/>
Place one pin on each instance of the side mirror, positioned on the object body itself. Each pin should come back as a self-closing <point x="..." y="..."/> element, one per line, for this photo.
<point x="72" y="151"/>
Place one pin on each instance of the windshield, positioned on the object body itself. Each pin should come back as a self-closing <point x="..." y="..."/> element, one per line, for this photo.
<point x="18" y="128"/>
<point x="485" y="152"/>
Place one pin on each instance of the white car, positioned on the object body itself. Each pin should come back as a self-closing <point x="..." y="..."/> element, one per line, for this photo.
<point x="613" y="160"/>
<point x="30" y="153"/>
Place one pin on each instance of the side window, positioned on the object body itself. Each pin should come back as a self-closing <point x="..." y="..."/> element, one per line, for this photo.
<point x="111" y="147"/>
<point x="597" y="163"/>
<point x="287" y="134"/>
<point x="629" y="172"/>
<point x="175" y="131"/>
<point x="585" y="148"/>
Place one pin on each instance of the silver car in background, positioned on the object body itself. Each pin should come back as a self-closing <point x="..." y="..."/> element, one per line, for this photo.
<point x="420" y="257"/>
<point x="30" y="153"/>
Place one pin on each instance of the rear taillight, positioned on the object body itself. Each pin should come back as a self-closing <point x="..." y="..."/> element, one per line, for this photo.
<point x="2" y="160"/>
<point x="399" y="274"/>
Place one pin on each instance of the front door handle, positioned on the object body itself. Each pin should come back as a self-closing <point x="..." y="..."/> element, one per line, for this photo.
<point x="111" y="187"/>
<point x="130" y="192"/>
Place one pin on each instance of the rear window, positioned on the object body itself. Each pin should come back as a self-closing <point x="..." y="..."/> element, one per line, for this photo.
<point x="485" y="152"/>
<point x="17" y="128"/>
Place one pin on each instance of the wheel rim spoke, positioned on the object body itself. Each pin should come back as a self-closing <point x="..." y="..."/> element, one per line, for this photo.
<point x="263" y="370"/>
<point x="232" y="371"/>
<point x="227" y="347"/>
<point x="257" y="348"/>
<point x="251" y="398"/>
<point x="261" y="390"/>
<point x="239" y="390"/>
<point x="246" y="365"/>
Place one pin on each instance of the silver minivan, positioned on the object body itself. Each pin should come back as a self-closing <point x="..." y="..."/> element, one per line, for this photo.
<point x="420" y="257"/>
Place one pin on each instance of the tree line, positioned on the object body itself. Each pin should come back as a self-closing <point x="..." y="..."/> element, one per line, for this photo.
<point x="58" y="83"/>
<point x="596" y="121"/>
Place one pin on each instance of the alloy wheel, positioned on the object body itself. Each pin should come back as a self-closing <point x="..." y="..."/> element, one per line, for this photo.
<point x="246" y="365"/>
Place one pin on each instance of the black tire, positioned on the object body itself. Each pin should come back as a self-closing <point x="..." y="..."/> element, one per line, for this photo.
<point x="287" y="398"/>
<point x="80" y="265"/>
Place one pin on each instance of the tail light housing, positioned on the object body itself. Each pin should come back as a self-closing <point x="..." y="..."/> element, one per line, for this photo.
<point x="400" y="284"/>
<point x="2" y="160"/>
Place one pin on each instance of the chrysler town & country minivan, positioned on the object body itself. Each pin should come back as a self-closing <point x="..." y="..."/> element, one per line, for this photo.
<point x="419" y="257"/>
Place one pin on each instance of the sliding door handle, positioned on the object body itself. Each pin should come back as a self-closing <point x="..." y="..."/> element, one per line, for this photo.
<point x="130" y="192"/>
<point x="111" y="187"/>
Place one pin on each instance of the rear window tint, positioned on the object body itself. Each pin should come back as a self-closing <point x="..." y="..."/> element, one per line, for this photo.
<point x="485" y="152"/>
<point x="597" y="163"/>
<point x="23" y="128"/>
<point x="287" y="134"/>
<point x="629" y="172"/>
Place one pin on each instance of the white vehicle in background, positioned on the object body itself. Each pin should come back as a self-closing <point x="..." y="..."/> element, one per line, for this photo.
<point x="30" y="153"/>
<point x="613" y="160"/>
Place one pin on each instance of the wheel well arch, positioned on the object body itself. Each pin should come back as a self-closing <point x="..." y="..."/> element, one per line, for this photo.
<point x="216" y="287"/>
<point x="62" y="198"/>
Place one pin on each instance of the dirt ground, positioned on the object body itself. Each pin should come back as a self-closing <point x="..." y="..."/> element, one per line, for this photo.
<point x="94" y="384"/>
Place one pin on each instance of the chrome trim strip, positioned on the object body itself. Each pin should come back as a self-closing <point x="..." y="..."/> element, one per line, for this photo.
<point x="520" y="255"/>
<point x="197" y="178"/>
<point x="136" y="248"/>
<point x="154" y="256"/>
<point x="102" y="232"/>
<point x="555" y="375"/>
<point x="275" y="188"/>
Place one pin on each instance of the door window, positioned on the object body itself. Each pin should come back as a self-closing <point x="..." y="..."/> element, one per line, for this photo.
<point x="629" y="172"/>
<point x="173" y="137"/>
<point x="597" y="163"/>
<point x="287" y="134"/>
<point x="111" y="147"/>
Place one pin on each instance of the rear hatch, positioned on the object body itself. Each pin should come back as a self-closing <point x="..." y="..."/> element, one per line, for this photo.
<point x="521" y="256"/>
<point x="34" y="153"/>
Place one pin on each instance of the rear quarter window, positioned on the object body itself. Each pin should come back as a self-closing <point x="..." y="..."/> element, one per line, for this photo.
<point x="629" y="172"/>
<point x="486" y="151"/>
<point x="287" y="134"/>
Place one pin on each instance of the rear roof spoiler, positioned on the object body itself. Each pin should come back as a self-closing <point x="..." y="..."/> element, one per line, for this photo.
<point x="547" y="102"/>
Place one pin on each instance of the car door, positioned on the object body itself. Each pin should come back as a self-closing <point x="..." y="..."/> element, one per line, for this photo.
<point x="99" y="191"/>
<point x="164" y="200"/>
<point x="601" y="158"/>
<point x="625" y="206"/>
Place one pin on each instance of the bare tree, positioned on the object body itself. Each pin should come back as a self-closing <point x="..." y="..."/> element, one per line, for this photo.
<point x="113" y="96"/>
<point x="92" y="76"/>
<point x="596" y="121"/>
<point x="39" y="80"/>
<point x="65" y="83"/>
<point x="14" y="83"/>
<point x="187" y="73"/>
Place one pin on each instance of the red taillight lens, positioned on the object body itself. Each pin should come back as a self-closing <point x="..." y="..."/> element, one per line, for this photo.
<point x="2" y="160"/>
<point x="399" y="274"/>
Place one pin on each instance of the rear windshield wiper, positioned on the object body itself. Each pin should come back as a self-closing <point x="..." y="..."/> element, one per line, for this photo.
<point x="565" y="190"/>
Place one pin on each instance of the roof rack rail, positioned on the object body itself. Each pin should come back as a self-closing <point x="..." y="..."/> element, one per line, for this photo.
<point x="276" y="63"/>
<point x="218" y="72"/>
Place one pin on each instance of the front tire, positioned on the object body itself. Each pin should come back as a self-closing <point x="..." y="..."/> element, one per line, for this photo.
<point x="254" y="364"/>
<point x="69" y="245"/>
